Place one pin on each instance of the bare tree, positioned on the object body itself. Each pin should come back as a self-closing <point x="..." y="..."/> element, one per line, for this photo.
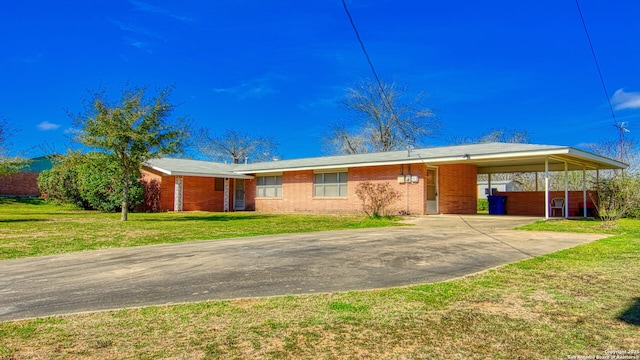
<point x="8" y="164"/>
<point x="383" y="120"/>
<point x="341" y="140"/>
<point x="235" y="146"/>
<point x="523" y="180"/>
<point x="625" y="149"/>
<point x="495" y="135"/>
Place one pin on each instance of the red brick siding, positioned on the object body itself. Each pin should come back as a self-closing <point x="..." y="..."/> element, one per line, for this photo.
<point x="297" y="191"/>
<point x="20" y="184"/>
<point x="249" y="194"/>
<point x="457" y="189"/>
<point x="198" y="193"/>
<point x="532" y="202"/>
<point x="152" y="182"/>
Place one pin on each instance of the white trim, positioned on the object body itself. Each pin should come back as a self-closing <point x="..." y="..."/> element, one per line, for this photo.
<point x="219" y="175"/>
<point x="566" y="190"/>
<point x="178" y="194"/>
<point x="598" y="159"/>
<point x="225" y="206"/>
<point x="584" y="192"/>
<point x="587" y="159"/>
<point x="546" y="188"/>
<point x="232" y="175"/>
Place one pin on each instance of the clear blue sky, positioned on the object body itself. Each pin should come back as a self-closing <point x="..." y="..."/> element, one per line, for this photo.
<point x="277" y="68"/>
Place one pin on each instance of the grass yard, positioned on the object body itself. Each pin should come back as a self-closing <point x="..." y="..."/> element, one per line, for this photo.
<point x="31" y="227"/>
<point x="583" y="301"/>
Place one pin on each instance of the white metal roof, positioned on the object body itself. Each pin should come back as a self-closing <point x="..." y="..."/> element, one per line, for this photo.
<point x="186" y="167"/>
<point x="488" y="157"/>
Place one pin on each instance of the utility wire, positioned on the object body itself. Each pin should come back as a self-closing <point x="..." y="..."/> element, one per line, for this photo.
<point x="619" y="126"/>
<point x="383" y="93"/>
<point x="595" y="59"/>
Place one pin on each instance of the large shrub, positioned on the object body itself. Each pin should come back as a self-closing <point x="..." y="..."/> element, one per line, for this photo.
<point x="617" y="197"/>
<point x="100" y="186"/>
<point x="60" y="183"/>
<point x="89" y="181"/>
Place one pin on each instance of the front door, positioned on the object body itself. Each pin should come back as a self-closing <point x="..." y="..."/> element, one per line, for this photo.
<point x="432" y="191"/>
<point x="239" y="195"/>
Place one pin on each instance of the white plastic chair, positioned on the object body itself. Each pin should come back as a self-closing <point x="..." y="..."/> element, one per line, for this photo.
<point x="557" y="203"/>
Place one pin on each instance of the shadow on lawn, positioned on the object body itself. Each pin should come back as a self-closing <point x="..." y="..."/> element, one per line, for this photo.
<point x="212" y="217"/>
<point x="20" y="220"/>
<point x="22" y="200"/>
<point x="632" y="315"/>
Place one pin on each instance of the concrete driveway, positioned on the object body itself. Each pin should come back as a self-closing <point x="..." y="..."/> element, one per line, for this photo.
<point x="437" y="248"/>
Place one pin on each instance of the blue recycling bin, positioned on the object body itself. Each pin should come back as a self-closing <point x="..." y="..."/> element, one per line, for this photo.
<point x="497" y="204"/>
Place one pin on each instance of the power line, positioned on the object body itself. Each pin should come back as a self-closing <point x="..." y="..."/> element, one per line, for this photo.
<point x="595" y="59"/>
<point x="383" y="93"/>
<point x="619" y="126"/>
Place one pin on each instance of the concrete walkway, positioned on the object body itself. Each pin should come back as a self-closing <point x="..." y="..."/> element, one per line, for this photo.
<point x="437" y="248"/>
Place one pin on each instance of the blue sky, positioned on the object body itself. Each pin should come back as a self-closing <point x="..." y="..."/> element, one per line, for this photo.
<point x="278" y="68"/>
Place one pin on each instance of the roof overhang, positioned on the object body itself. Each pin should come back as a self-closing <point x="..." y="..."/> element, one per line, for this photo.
<point x="502" y="162"/>
<point x="229" y="175"/>
<point x="535" y="162"/>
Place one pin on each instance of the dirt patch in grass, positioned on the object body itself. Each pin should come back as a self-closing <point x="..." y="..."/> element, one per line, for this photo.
<point x="576" y="302"/>
<point x="508" y="306"/>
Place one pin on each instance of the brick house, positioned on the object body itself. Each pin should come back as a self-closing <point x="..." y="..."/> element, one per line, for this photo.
<point x="25" y="182"/>
<point x="438" y="180"/>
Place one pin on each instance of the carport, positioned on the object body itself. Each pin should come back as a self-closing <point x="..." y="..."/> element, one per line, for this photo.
<point x="545" y="161"/>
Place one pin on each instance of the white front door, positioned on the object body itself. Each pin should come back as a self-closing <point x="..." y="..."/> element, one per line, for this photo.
<point x="238" y="203"/>
<point x="431" y="182"/>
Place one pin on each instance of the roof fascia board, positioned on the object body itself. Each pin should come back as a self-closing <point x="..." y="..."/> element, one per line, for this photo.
<point x="164" y="171"/>
<point x="329" y="167"/>
<point x="413" y="160"/>
<point x="582" y="158"/>
<point x="597" y="158"/>
<point x="522" y="168"/>
<point x="231" y="176"/>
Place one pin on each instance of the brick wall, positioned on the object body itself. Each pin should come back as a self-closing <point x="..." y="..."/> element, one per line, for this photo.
<point x="457" y="189"/>
<point x="198" y="193"/>
<point x="532" y="202"/>
<point x="21" y="184"/>
<point x="297" y="191"/>
<point x="249" y="194"/>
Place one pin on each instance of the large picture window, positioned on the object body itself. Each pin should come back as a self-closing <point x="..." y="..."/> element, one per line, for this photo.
<point x="269" y="186"/>
<point x="330" y="184"/>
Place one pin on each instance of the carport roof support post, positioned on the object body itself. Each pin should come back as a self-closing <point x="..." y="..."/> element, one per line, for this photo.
<point x="546" y="188"/>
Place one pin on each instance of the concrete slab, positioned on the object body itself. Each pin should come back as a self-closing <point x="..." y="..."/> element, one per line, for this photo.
<point x="436" y="248"/>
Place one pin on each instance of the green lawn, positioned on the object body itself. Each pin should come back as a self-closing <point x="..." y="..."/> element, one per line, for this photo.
<point x="34" y="227"/>
<point x="582" y="301"/>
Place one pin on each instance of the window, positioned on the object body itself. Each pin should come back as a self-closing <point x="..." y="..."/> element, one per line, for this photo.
<point x="219" y="185"/>
<point x="269" y="186"/>
<point x="330" y="185"/>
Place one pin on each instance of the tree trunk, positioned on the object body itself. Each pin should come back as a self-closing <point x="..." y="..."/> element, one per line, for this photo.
<point x="124" y="214"/>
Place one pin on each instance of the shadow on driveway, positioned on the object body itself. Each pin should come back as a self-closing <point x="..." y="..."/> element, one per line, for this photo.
<point x="437" y="248"/>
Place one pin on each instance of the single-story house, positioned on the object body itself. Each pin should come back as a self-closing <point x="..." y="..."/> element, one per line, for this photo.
<point x="436" y="180"/>
<point x="25" y="182"/>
